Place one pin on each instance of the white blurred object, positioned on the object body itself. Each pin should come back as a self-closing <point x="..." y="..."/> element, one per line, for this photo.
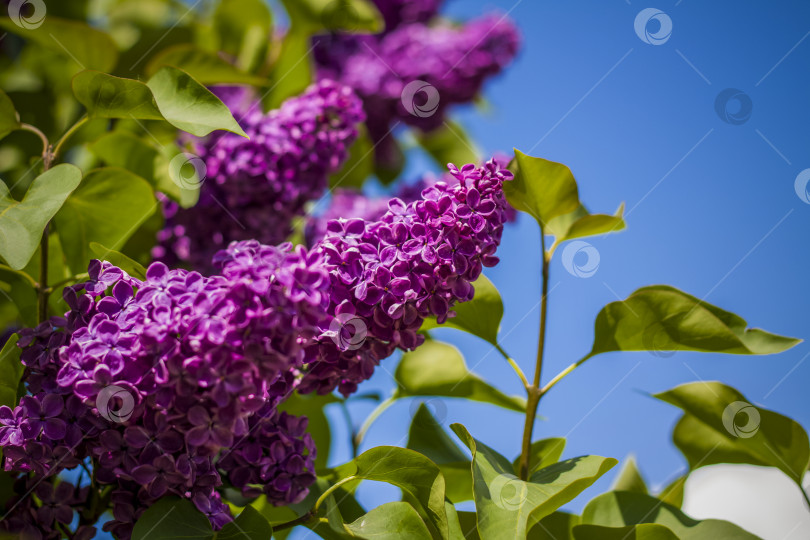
<point x="762" y="500"/>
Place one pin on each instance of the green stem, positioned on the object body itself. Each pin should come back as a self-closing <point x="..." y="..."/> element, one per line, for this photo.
<point x="371" y="418"/>
<point x="515" y="366"/>
<point x="534" y="390"/>
<point x="561" y="375"/>
<point x="47" y="155"/>
<point x="329" y="491"/>
<point x="42" y="290"/>
<point x="295" y="522"/>
<point x="67" y="135"/>
<point x="23" y="275"/>
<point x="352" y="432"/>
<point x="65" y="281"/>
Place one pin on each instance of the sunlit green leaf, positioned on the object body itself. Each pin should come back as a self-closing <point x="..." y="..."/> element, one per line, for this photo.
<point x="673" y="493"/>
<point x="243" y="29"/>
<point x="438" y="369"/>
<point x="544" y="189"/>
<point x="449" y="143"/>
<point x="623" y="509"/>
<point x="22" y="222"/>
<point x="390" y="521"/>
<point x="542" y="454"/>
<point x="629" y="478"/>
<point x="204" y="66"/>
<point x="481" y="316"/>
<point x="107" y="208"/>
<point x="346" y="15"/>
<point x="105" y="96"/>
<point x="644" y="531"/>
<point x="312" y="406"/>
<point x="9" y="119"/>
<point x="248" y="525"/>
<point x="662" y="318"/>
<point x="427" y="437"/>
<point x="172" y="518"/>
<point x="188" y="105"/>
<point x="507" y="507"/>
<point x="581" y="223"/>
<point x="742" y="432"/>
<point x="12" y="370"/>
<point x="555" y="526"/>
<point x="293" y="71"/>
<point x="120" y="260"/>
<point x="88" y="47"/>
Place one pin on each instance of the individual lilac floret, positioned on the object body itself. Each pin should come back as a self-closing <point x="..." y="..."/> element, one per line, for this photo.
<point x="157" y="380"/>
<point x="254" y="188"/>
<point x="416" y="261"/>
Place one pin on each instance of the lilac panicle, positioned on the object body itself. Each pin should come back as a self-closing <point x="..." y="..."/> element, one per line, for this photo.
<point x="254" y="188"/>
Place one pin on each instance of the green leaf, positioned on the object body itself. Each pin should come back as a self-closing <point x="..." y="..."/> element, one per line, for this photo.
<point x="468" y="525"/>
<point x="507" y="506"/>
<point x="88" y="47"/>
<point x="12" y="370"/>
<point x="22" y="223"/>
<point x="9" y="119"/>
<point x="120" y="260"/>
<point x="390" y="521"/>
<point x="662" y="318"/>
<point x="644" y="531"/>
<point x="629" y="478"/>
<point x="626" y="509"/>
<point x="751" y="434"/>
<point x="188" y="105"/>
<point x="438" y="369"/>
<point x="542" y="454"/>
<point x="204" y="66"/>
<point x="312" y="406"/>
<point x="359" y="165"/>
<point x="427" y="437"/>
<point x="555" y="526"/>
<point x="419" y="478"/>
<point x="481" y="316"/>
<point x="105" y="96"/>
<point x="673" y="493"/>
<point x="449" y="143"/>
<point x="544" y="189"/>
<point x="107" y="208"/>
<point x="293" y="71"/>
<point x="172" y="518"/>
<point x="346" y="15"/>
<point x="581" y="223"/>
<point x="248" y="525"/>
<point x="243" y="29"/>
<point x="548" y="192"/>
<point x="22" y="294"/>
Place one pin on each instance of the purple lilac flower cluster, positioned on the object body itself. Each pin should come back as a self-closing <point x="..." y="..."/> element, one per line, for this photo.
<point x="254" y="188"/>
<point x="452" y="61"/>
<point x="416" y="261"/>
<point x="172" y="383"/>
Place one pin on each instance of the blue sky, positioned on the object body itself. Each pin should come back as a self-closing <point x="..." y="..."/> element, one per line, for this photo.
<point x="712" y="210"/>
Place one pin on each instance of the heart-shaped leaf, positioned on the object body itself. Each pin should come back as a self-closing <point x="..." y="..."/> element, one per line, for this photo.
<point x="629" y="478"/>
<point x="88" y="47"/>
<point x="172" y="518"/>
<point x="438" y="369"/>
<point x="427" y="437"/>
<point x="248" y="525"/>
<point x="626" y="509"/>
<point x="662" y="318"/>
<point x="107" y="208"/>
<point x="22" y="222"/>
<point x="390" y="521"/>
<point x="581" y="223"/>
<point x="188" y="105"/>
<point x="733" y="430"/>
<point x="508" y="507"/>
<point x="481" y="316"/>
<point x="12" y="370"/>
<point x="9" y="119"/>
<point x="106" y="96"/>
